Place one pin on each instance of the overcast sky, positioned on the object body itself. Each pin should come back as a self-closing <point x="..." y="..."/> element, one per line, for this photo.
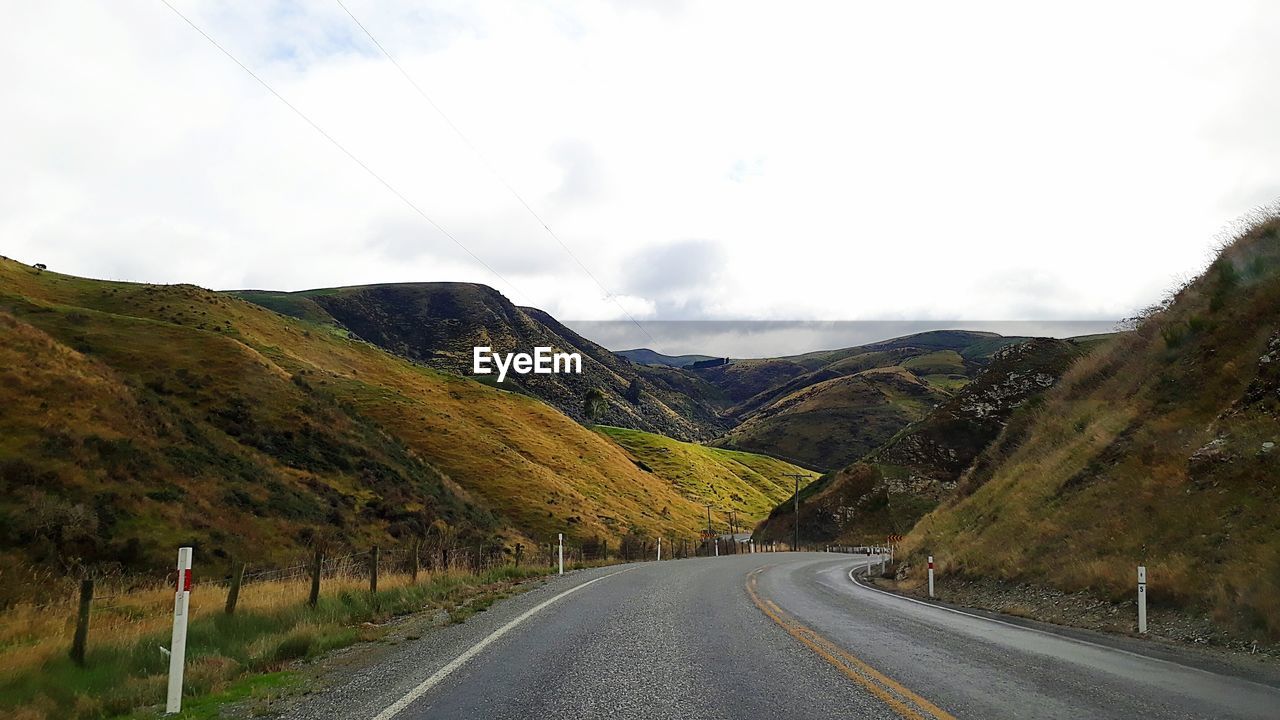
<point x="731" y="160"/>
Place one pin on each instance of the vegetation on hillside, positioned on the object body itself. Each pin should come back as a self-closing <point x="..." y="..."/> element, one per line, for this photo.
<point x="438" y="324"/>
<point x="827" y="409"/>
<point x="134" y="418"/>
<point x="835" y="422"/>
<point x="1158" y="449"/>
<point x="889" y="489"/>
<point x="749" y="484"/>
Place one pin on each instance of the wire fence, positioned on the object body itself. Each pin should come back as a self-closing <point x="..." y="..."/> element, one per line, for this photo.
<point x="123" y="608"/>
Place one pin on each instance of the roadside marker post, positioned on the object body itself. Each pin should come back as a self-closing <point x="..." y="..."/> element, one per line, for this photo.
<point x="178" y="643"/>
<point x="930" y="576"/>
<point x="560" y="553"/>
<point x="659" y="549"/>
<point x="1142" y="599"/>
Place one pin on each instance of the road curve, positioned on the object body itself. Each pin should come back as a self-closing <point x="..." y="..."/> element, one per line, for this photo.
<point x="781" y="635"/>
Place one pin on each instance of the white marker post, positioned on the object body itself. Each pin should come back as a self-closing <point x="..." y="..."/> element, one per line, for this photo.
<point x="659" y="549"/>
<point x="1142" y="599"/>
<point x="930" y="576"/>
<point x="561" y="553"/>
<point x="178" y="645"/>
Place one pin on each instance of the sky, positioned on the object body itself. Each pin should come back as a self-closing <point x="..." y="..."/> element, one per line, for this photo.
<point x="803" y="161"/>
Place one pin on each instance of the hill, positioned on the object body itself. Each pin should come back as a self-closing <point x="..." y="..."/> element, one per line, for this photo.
<point x="438" y="324"/>
<point x="749" y="484"/>
<point x="1156" y="450"/>
<point x="645" y="356"/>
<point x="836" y="421"/>
<point x="895" y="484"/>
<point x="827" y="409"/>
<point x="137" y="417"/>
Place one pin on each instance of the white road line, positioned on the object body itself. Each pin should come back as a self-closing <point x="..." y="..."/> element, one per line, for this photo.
<point x="1065" y="638"/>
<point x="391" y="710"/>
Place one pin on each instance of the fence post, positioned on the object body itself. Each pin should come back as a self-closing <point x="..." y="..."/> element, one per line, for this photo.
<point x="317" y="562"/>
<point x="373" y="570"/>
<point x="233" y="592"/>
<point x="82" y="622"/>
<point x="178" y="644"/>
<point x="413" y="562"/>
<point x="1142" y="599"/>
<point x="519" y="553"/>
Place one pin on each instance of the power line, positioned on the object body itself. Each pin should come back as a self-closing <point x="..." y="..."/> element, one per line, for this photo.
<point x="489" y="166"/>
<point x="344" y="150"/>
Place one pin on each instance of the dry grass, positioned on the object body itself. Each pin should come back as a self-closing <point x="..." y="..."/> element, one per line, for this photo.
<point x="272" y="626"/>
<point x="1102" y="477"/>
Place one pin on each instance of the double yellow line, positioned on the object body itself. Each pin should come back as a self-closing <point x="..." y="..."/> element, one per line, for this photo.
<point x="906" y="703"/>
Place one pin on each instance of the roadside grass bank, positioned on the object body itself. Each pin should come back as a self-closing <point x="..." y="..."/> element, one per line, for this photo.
<point x="229" y="657"/>
<point x="1088" y="611"/>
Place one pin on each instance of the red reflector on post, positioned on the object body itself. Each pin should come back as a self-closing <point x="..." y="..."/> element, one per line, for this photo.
<point x="184" y="580"/>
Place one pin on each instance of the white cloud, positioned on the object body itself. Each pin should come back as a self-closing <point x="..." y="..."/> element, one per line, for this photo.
<point x="845" y="160"/>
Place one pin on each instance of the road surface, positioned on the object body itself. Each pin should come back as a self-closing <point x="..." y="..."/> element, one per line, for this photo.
<point x="771" y="636"/>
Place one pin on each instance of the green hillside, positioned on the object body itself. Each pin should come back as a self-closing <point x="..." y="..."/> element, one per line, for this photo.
<point x="137" y="417"/>
<point x="1158" y="449"/>
<point x="747" y="483"/>
<point x="439" y="323"/>
<point x="890" y="488"/>
<point x="835" y="422"/>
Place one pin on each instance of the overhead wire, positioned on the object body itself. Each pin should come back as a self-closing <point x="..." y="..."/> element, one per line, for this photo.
<point x="489" y="166"/>
<point x="403" y="198"/>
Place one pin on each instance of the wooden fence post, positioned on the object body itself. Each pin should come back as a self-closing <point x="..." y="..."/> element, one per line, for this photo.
<point x="519" y="553"/>
<point x="233" y="592"/>
<point x="373" y="570"/>
<point x="317" y="562"/>
<point x="82" y="622"/>
<point x="413" y="562"/>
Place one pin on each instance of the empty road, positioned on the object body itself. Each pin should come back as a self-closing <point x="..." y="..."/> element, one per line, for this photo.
<point x="771" y="636"/>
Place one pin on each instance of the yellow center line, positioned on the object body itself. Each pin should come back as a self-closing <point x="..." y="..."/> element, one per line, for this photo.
<point x="890" y="691"/>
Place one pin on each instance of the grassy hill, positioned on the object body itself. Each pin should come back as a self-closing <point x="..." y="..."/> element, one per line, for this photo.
<point x="828" y="408"/>
<point x="836" y="421"/>
<point x="889" y="489"/>
<point x="136" y="417"/>
<point x="1158" y="449"/>
<point x="438" y="324"/>
<point x="747" y="483"/>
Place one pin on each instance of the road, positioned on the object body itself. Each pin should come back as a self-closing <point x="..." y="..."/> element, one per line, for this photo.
<point x="773" y="635"/>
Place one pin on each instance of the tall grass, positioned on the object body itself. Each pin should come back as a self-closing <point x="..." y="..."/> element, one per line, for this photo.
<point x="126" y="670"/>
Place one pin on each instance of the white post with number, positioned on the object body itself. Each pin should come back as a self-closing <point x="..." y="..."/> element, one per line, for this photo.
<point x="1142" y="599"/>
<point x="930" y="576"/>
<point x="560" y="553"/>
<point x="178" y="644"/>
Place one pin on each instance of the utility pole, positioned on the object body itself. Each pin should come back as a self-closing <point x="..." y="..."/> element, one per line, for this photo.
<point x="797" y="476"/>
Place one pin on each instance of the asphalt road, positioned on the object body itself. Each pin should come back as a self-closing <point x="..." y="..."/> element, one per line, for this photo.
<point x="772" y="636"/>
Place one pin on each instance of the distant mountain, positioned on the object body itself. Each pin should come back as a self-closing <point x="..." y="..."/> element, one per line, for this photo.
<point x="438" y="324"/>
<point x="896" y="483"/>
<point x="827" y="409"/>
<point x="645" y="356"/>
